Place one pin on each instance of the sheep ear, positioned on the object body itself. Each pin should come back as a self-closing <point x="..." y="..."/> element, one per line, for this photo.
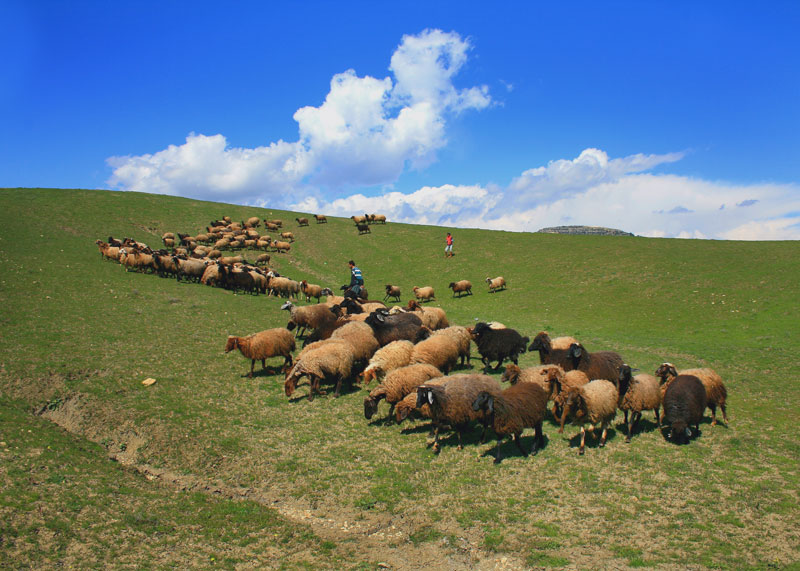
<point x="490" y="405"/>
<point x="430" y="397"/>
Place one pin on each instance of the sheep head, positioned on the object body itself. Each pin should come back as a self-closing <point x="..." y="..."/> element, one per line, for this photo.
<point x="232" y="343"/>
<point x="575" y="351"/>
<point x="666" y="372"/>
<point x="485" y="402"/>
<point x="511" y="374"/>
<point x="574" y="404"/>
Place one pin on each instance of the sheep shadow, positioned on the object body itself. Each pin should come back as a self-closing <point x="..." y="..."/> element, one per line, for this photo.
<point x="510" y="450"/>
<point x="419" y="428"/>
<point x="326" y="391"/>
<point x="592" y="441"/>
<point x="276" y="371"/>
<point x="643" y="426"/>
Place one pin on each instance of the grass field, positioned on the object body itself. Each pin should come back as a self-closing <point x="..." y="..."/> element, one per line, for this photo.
<point x="215" y="469"/>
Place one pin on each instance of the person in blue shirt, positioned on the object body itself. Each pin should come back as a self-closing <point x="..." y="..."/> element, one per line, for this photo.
<point x="356" y="278"/>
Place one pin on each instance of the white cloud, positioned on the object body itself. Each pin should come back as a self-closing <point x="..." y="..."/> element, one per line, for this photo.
<point x="366" y="132"/>
<point x="595" y="191"/>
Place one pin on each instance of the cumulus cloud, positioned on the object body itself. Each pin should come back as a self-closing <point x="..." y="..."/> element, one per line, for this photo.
<point x="366" y="132"/>
<point x="596" y="191"/>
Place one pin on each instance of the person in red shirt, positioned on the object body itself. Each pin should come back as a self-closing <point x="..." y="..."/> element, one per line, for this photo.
<point x="448" y="249"/>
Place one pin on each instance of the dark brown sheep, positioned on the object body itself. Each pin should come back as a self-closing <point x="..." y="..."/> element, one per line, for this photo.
<point x="684" y="404"/>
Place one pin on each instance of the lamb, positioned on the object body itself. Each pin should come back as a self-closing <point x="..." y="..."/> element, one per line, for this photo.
<point x="310" y="290"/>
<point x="263" y="345"/>
<point x="716" y="393"/>
<point x="332" y="359"/>
<point x="302" y="221"/>
<point x="432" y="317"/>
<point x="498" y="344"/>
<point x="496" y="284"/>
<point x="321" y="218"/>
<point x="593" y="403"/>
<point x="441" y="351"/>
<point x="392" y="291"/>
<point x="398" y="384"/>
<point x="461" y="287"/>
<point x="516" y="408"/>
<point x="451" y="403"/>
<point x="361" y="339"/>
<point x="390" y="328"/>
<point x="303" y="317"/>
<point x="424" y="293"/>
<point x="461" y="337"/>
<point x="392" y="356"/>
<point x="597" y="365"/>
<point x="684" y="403"/>
<point x="363" y="229"/>
<point x="637" y="394"/>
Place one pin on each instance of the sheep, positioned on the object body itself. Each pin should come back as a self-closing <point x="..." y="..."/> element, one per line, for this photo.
<point x="398" y="384"/>
<point x="432" y="317"/>
<point x="263" y="243"/>
<point x="222" y="244"/>
<point x="361" y="339"/>
<point x="287" y="236"/>
<point x="390" y="328"/>
<point x="546" y="376"/>
<point x="280" y="246"/>
<point x="310" y="290"/>
<point x="263" y="345"/>
<point x="332" y="359"/>
<point x="376" y="218"/>
<point x="451" y="403"/>
<point x="716" y="393"/>
<point x="593" y="403"/>
<point x="637" y="394"/>
<point x="597" y="365"/>
<point x="270" y="226"/>
<point x="498" y="344"/>
<point x="409" y="403"/>
<point x="108" y="252"/>
<point x="165" y="265"/>
<point x="262" y="259"/>
<point x="239" y="279"/>
<point x="351" y="306"/>
<point x="562" y="386"/>
<point x="516" y="408"/>
<point x="461" y="287"/>
<point x="441" y="351"/>
<point x="136" y="259"/>
<point x="168" y="235"/>
<point x="496" y="284"/>
<point x="212" y="275"/>
<point x="283" y="286"/>
<point x="393" y="292"/>
<point x="169" y="242"/>
<point x="303" y="317"/>
<point x="359" y="220"/>
<point x="363" y="229"/>
<point x="424" y="293"/>
<point x="231" y="260"/>
<point x="684" y="403"/>
<point x="321" y="218"/>
<point x="302" y="221"/>
<point x="392" y="356"/>
<point x="277" y="222"/>
<point x="462" y="339"/>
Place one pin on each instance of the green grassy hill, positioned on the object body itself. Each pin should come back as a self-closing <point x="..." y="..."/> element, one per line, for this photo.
<point x="217" y="469"/>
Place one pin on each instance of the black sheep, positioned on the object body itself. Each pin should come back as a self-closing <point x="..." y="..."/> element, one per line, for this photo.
<point x="388" y="328"/>
<point x="597" y="365"/>
<point x="498" y="344"/>
<point x="684" y="404"/>
<point x="547" y="354"/>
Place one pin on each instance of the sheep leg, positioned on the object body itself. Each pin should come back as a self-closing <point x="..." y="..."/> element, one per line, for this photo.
<point x="658" y="418"/>
<point x="583" y="441"/>
<point x="338" y="387"/>
<point x="498" y="456"/>
<point x="314" y="386"/>
<point x="252" y="367"/>
<point x="713" y="408"/>
<point x="263" y="364"/>
<point x="724" y="414"/>
<point x="518" y="442"/>
<point x="436" y="447"/>
<point x="603" y="434"/>
<point x="538" y="438"/>
<point x="287" y="363"/>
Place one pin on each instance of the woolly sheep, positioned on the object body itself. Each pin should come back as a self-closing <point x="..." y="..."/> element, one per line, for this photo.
<point x="320" y="218"/>
<point x="451" y="403"/>
<point x="562" y="386"/>
<point x="597" y="365"/>
<point x="496" y="284"/>
<point x="424" y="293"/>
<point x="287" y="236"/>
<point x="516" y="408"/>
<point x="461" y="337"/>
<point x="684" y="403"/>
<point x="637" y="393"/>
<point x="409" y="404"/>
<point x="263" y="345"/>
<point x="593" y="403"/>
<point x="359" y="220"/>
<point x="253" y="221"/>
<point x="716" y="393"/>
<point x="361" y="339"/>
<point x="310" y="290"/>
<point x="332" y="360"/>
<point x="398" y="384"/>
<point x="262" y="259"/>
<point x="390" y="328"/>
<point x="498" y="344"/>
<point x="392" y="356"/>
<point x="307" y="316"/>
<point x="363" y="229"/>
<point x="432" y="317"/>
<point x="441" y="351"/>
<point x="302" y="221"/>
<point x="377" y="218"/>
<point x="461" y="287"/>
<point x="280" y="246"/>
<point x="393" y="292"/>
<point x="108" y="252"/>
<point x="546" y="376"/>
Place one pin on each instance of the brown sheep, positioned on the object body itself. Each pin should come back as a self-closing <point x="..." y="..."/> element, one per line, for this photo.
<point x="398" y="384"/>
<point x="637" y="393"/>
<point x="432" y="317"/>
<point x="321" y="218"/>
<point x="331" y="359"/>
<point x="424" y="293"/>
<point x="388" y="358"/>
<point x="461" y="287"/>
<point x="716" y="393"/>
<point x="441" y="351"/>
<point x="263" y="345"/>
<point x="593" y="403"/>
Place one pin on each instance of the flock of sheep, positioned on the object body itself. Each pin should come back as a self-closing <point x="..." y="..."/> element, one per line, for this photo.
<point x="411" y="350"/>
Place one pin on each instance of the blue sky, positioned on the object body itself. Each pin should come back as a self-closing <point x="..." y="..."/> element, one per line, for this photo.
<point x="661" y="118"/>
